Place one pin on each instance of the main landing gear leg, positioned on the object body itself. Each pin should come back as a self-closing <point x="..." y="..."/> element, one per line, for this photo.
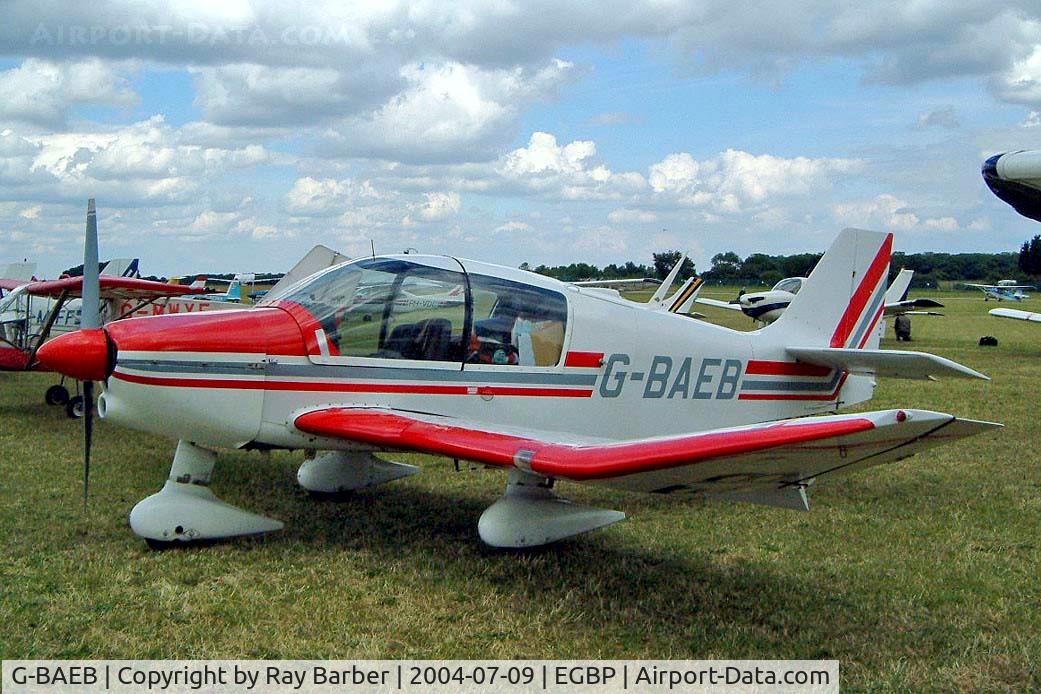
<point x="185" y="510"/>
<point x="529" y="515"/>
<point x="335" y="473"/>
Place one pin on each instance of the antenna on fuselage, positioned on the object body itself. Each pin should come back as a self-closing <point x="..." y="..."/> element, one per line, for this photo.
<point x="373" y="244"/>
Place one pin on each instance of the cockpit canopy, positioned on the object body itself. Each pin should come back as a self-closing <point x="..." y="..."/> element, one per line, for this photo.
<point x="434" y="310"/>
<point x="790" y="284"/>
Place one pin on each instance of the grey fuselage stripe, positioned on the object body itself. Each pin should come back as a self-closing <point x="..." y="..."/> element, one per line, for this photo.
<point x="508" y="374"/>
<point x="751" y="384"/>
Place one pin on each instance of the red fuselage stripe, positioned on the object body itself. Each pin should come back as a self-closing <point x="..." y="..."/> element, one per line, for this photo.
<point x="318" y="386"/>
<point x="588" y="360"/>
<point x="785" y="368"/>
<point x="863" y="294"/>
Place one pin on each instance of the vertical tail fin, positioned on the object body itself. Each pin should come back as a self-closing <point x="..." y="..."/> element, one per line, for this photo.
<point x="842" y="300"/>
<point x="898" y="289"/>
<point x="198" y="283"/>
<point x="659" y="295"/>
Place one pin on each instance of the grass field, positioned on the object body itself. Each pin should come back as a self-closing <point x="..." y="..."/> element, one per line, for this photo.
<point x="920" y="575"/>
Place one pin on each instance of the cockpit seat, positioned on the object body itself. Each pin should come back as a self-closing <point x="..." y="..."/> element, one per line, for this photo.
<point x="433" y="339"/>
<point x="401" y="339"/>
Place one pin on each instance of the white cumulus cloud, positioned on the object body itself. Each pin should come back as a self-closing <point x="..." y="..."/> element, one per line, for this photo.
<point x="42" y="93"/>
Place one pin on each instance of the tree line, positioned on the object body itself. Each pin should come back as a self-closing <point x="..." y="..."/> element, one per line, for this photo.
<point x="763" y="269"/>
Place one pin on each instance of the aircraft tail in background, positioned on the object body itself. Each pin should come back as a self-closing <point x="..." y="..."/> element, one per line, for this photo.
<point x="122" y="267"/>
<point x="898" y="289"/>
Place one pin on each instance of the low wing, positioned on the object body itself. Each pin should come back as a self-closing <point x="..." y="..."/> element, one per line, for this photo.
<point x="717" y="303"/>
<point x="895" y="363"/>
<point x="125" y="288"/>
<point x="1016" y="314"/>
<point x="912" y="305"/>
<point x="748" y="459"/>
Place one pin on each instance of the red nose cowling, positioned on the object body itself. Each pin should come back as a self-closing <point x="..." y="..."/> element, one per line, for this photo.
<point x="83" y="355"/>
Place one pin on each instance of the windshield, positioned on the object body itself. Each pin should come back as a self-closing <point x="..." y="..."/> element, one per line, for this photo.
<point x="388" y="308"/>
<point x="792" y="284"/>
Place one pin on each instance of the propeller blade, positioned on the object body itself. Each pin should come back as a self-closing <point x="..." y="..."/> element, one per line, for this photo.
<point x="91" y="284"/>
<point x="90" y="319"/>
<point x="88" y="434"/>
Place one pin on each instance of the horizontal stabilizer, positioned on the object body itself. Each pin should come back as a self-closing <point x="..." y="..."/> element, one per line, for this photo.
<point x="910" y="305"/>
<point x="884" y="362"/>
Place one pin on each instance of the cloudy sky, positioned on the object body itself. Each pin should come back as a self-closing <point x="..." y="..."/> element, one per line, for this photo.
<point x="235" y="135"/>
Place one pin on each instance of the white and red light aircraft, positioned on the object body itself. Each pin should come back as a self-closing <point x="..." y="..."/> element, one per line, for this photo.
<point x="604" y="393"/>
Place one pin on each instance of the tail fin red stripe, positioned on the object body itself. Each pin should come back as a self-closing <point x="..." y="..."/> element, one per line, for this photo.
<point x="862" y="295"/>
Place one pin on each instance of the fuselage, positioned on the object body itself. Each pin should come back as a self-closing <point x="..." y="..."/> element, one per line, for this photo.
<point x="1002" y="294"/>
<point x="575" y="361"/>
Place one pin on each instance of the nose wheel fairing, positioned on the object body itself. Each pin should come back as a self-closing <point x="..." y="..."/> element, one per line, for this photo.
<point x="186" y="510"/>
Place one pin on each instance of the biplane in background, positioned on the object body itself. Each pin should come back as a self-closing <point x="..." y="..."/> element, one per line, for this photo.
<point x="33" y="312"/>
<point x="38" y="311"/>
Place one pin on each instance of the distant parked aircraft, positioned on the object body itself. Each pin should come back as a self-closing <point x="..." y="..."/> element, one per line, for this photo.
<point x="1005" y="290"/>
<point x="766" y="307"/>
